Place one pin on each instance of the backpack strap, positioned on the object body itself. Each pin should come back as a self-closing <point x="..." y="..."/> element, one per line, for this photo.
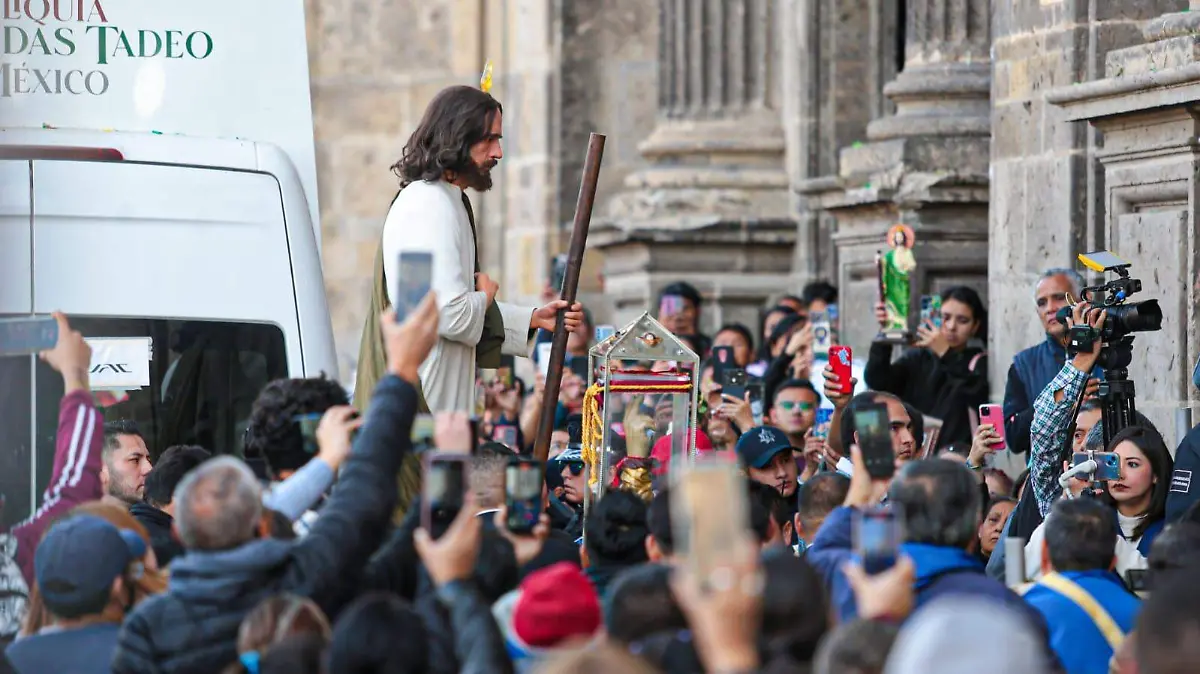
<point x="1088" y="604"/>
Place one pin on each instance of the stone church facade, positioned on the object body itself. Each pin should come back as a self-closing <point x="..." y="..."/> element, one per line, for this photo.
<point x="755" y="145"/>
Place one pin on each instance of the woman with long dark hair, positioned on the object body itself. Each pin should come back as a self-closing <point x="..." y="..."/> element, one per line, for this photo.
<point x="945" y="376"/>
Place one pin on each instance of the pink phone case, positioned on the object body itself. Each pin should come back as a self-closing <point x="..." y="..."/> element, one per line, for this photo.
<point x="994" y="415"/>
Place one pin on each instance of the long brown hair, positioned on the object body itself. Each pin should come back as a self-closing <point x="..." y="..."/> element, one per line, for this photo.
<point x="149" y="581"/>
<point x="457" y="118"/>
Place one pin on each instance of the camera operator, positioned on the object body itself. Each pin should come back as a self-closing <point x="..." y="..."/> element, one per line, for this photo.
<point x="1035" y="367"/>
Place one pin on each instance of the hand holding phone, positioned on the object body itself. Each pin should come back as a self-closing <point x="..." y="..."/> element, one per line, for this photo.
<point x="1108" y="465"/>
<point x="505" y="435"/>
<point x="840" y="359"/>
<point x="994" y="415"/>
<point x="710" y="517"/>
<point x="872" y="426"/>
<point x="444" y="490"/>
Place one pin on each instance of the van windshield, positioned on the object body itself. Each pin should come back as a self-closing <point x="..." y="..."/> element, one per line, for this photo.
<point x="204" y="377"/>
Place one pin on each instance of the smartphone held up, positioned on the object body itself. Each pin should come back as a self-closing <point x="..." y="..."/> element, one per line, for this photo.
<point x="994" y="415"/>
<point x="414" y="280"/>
<point x="523" y="494"/>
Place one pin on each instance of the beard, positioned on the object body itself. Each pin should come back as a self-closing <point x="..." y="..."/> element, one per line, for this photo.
<point x="478" y="178"/>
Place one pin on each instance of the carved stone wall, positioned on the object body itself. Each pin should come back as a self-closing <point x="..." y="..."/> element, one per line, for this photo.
<point x="712" y="207"/>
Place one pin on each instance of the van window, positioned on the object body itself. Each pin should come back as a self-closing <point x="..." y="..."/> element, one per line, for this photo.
<point x="204" y="377"/>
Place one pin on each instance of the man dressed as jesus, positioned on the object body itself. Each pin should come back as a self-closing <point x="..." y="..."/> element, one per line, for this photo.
<point x="455" y="146"/>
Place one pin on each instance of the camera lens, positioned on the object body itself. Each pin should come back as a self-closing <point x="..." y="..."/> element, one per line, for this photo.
<point x="1133" y="317"/>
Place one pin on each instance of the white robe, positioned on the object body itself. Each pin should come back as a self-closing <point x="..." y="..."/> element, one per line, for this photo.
<point x="430" y="217"/>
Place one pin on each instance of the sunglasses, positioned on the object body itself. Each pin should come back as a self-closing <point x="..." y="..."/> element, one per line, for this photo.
<point x="789" y="405"/>
<point x="576" y="467"/>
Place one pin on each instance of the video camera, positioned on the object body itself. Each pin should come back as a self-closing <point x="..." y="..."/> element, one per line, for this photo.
<point x="1124" y="317"/>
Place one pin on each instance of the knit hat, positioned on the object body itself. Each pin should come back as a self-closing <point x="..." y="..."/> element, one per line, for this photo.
<point x="555" y="604"/>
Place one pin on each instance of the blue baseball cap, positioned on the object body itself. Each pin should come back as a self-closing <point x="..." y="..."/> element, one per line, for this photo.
<point x="79" y="559"/>
<point x="760" y="444"/>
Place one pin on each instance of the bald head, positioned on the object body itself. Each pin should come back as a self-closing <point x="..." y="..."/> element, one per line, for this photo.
<point x="218" y="505"/>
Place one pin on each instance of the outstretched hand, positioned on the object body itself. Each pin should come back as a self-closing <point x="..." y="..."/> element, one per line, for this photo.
<point x="71" y="356"/>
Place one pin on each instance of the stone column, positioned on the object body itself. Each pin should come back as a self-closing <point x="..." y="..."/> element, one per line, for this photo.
<point x="712" y="206"/>
<point x="1148" y="110"/>
<point x="926" y="165"/>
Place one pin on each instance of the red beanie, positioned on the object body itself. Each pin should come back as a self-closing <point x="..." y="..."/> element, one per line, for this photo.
<point x="662" y="450"/>
<point x="556" y="604"/>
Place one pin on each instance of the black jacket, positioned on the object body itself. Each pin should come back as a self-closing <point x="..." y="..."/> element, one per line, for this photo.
<point x="193" y="627"/>
<point x="158" y="524"/>
<point x="943" y="387"/>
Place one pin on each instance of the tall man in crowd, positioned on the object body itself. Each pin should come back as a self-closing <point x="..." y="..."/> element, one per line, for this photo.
<point x="455" y="147"/>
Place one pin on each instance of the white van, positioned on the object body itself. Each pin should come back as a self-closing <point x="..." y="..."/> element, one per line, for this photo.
<point x="172" y="228"/>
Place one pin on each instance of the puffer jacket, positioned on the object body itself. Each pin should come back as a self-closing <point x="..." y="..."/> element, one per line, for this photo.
<point x="192" y="628"/>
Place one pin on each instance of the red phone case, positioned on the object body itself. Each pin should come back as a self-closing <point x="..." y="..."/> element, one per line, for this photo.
<point x="994" y="415"/>
<point x="839" y="359"/>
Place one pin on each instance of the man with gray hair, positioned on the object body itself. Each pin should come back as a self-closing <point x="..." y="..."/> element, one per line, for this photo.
<point x="1034" y="368"/>
<point x="229" y="569"/>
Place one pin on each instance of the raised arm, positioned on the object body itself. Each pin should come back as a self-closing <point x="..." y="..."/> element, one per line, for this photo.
<point x="352" y="524"/>
<point x="1052" y="416"/>
<point x="76" y="474"/>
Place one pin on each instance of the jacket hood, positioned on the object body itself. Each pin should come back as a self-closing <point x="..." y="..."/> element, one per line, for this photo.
<point x="222" y="576"/>
<point x="936" y="560"/>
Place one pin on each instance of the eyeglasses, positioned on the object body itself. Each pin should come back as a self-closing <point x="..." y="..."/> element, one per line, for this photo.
<point x="576" y="467"/>
<point x="789" y="405"/>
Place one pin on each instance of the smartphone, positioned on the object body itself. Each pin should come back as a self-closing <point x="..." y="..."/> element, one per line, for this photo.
<point x="1135" y="580"/>
<point x="415" y="278"/>
<point x="755" y="390"/>
<point x="994" y="415"/>
<point x="723" y="358"/>
<point x="422" y="431"/>
<point x="504" y="373"/>
<point x="558" y="272"/>
<point x="603" y="332"/>
<point x="672" y="305"/>
<point x="523" y="493"/>
<point x="822" y="334"/>
<point x="505" y="435"/>
<point x="877" y="537"/>
<point x="734" y="383"/>
<point x="579" y="365"/>
<point x="308" y="424"/>
<point x="821" y="426"/>
<point x="710" y="515"/>
<point x="1108" y="465"/>
<point x="931" y="310"/>
<point x="875" y="440"/>
<point x="839" y="359"/>
<point x="443" y="491"/>
<point x="27" y="335"/>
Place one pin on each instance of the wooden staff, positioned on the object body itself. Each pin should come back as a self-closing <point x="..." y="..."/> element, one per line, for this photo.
<point x="558" y="352"/>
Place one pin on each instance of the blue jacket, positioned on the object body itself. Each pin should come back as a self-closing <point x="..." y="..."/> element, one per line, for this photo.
<point x="84" y="650"/>
<point x="1079" y="644"/>
<point x="941" y="571"/>
<point x="1187" y="462"/>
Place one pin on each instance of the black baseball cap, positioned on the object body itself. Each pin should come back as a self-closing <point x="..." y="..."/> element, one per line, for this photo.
<point x="760" y="444"/>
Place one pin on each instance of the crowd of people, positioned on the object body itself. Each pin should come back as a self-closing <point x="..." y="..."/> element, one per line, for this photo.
<point x="313" y="552"/>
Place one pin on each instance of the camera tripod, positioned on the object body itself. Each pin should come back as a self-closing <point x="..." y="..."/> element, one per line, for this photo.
<point x="1117" y="410"/>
